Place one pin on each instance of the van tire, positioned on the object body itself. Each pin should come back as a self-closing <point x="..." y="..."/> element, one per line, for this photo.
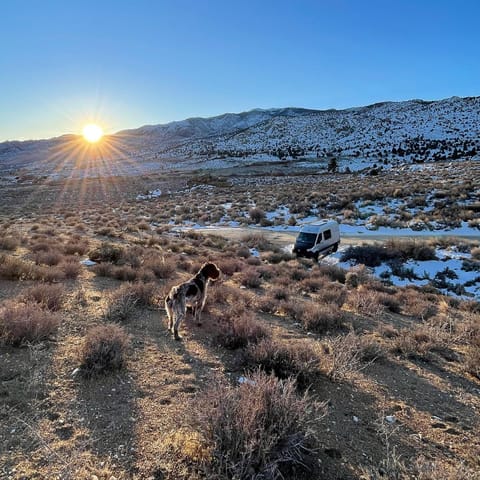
<point x="315" y="256"/>
<point x="335" y="248"/>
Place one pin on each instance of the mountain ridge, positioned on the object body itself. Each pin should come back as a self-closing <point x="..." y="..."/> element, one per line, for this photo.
<point x="413" y="130"/>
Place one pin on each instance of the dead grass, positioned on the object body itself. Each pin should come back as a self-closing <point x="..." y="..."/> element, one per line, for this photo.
<point x="26" y="323"/>
<point x="261" y="429"/>
<point x="104" y="350"/>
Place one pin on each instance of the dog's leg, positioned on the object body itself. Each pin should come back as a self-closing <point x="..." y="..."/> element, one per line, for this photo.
<point x="180" y="309"/>
<point x="168" y="308"/>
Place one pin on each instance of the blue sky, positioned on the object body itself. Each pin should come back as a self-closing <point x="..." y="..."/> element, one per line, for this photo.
<point x="129" y="63"/>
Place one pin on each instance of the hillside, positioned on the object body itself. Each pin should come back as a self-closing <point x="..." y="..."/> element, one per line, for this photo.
<point x="390" y="132"/>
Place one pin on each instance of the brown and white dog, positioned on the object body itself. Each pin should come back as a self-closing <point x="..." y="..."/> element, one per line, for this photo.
<point x="192" y="293"/>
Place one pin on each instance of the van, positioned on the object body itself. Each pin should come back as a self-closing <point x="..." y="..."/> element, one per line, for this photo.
<point x="317" y="239"/>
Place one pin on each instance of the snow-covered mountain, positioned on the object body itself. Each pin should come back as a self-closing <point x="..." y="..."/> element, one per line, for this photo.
<point x="414" y="130"/>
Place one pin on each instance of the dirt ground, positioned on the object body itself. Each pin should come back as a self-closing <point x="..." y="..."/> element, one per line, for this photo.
<point x="398" y="417"/>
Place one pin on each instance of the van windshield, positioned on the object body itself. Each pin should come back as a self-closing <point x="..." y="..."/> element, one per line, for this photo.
<point x="307" y="238"/>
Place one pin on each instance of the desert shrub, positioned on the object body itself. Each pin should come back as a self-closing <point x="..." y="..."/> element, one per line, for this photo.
<point x="76" y="246"/>
<point x="416" y="304"/>
<point x="267" y="304"/>
<point x="14" y="268"/>
<point x="419" y="342"/>
<point x="229" y="266"/>
<point x="366" y="302"/>
<point x="48" y="296"/>
<point x="345" y="356"/>
<point x="315" y="317"/>
<point x="369" y="255"/>
<point x="121" y="305"/>
<point x="258" y="241"/>
<point x="250" y="278"/>
<point x="472" y="360"/>
<point x="333" y="272"/>
<point x="48" y="257"/>
<point x="104" y="349"/>
<point x="145" y="294"/>
<point x="71" y="268"/>
<point x="8" y="243"/>
<point x="243" y="252"/>
<point x="475" y="253"/>
<point x="299" y="361"/>
<point x="124" y="273"/>
<point x="356" y="276"/>
<point x="162" y="268"/>
<point x="312" y="284"/>
<point x="240" y="330"/>
<point x="277" y="257"/>
<point x="106" y="252"/>
<point x="23" y="323"/>
<point x="261" y="429"/>
<point x="390" y="302"/>
<point x="256" y="215"/>
<point x="103" y="269"/>
<point x="332" y="293"/>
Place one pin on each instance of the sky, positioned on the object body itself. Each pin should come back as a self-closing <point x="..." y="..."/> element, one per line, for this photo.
<point x="126" y="63"/>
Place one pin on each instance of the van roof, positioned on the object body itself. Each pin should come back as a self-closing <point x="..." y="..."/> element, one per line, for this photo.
<point x="315" y="226"/>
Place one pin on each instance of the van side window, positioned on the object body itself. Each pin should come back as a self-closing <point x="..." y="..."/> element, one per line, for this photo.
<point x="327" y="234"/>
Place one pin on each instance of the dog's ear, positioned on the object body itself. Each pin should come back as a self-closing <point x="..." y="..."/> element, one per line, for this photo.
<point x="211" y="271"/>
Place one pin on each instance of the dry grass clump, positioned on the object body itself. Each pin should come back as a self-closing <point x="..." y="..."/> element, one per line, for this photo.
<point x="392" y="250"/>
<point x="48" y="257"/>
<point x="104" y="349"/>
<point x="475" y="253"/>
<point x="472" y="360"/>
<point x="262" y="429"/>
<point x="416" y="304"/>
<point x="239" y="329"/>
<point x="299" y="361"/>
<point x="162" y="268"/>
<point x="365" y="301"/>
<point x="345" y="354"/>
<point x="250" y="278"/>
<point x="47" y="295"/>
<point x="420" y="342"/>
<point x="71" y="267"/>
<point x="121" y="304"/>
<point x="258" y="241"/>
<point x="317" y="317"/>
<point x="333" y="272"/>
<point x="24" y="323"/>
<point x="106" y="252"/>
<point x="14" y="268"/>
<point x="8" y="243"/>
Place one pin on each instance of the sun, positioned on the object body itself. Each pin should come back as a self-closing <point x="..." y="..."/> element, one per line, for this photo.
<point x="92" y="133"/>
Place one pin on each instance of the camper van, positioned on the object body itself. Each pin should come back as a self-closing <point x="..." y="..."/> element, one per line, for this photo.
<point x="317" y="239"/>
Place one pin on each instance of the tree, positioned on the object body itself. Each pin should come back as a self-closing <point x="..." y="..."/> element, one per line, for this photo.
<point x="332" y="165"/>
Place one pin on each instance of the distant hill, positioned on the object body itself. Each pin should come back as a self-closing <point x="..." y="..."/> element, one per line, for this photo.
<point x="410" y="131"/>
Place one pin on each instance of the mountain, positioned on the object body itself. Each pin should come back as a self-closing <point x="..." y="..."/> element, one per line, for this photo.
<point x="410" y="131"/>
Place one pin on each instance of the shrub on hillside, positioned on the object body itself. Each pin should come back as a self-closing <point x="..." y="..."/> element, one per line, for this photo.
<point x="47" y="295"/>
<point x="261" y="429"/>
<point x="106" y="252"/>
<point x="104" y="349"/>
<point x="240" y="330"/>
<point x="23" y="323"/>
<point x="299" y="361"/>
<point x="8" y="243"/>
<point x="316" y="317"/>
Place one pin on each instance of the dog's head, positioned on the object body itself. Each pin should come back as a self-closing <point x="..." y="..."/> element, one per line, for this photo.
<point x="211" y="271"/>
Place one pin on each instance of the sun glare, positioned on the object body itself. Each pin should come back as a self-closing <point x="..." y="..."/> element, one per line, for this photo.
<point x="92" y="133"/>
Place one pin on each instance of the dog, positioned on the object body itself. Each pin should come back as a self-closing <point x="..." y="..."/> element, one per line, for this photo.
<point x="192" y="293"/>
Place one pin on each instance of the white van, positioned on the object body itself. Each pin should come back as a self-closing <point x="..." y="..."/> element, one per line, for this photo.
<point x="317" y="239"/>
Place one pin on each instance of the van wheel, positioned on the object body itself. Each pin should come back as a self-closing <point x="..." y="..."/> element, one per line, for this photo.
<point x="315" y="256"/>
<point x="335" y="247"/>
